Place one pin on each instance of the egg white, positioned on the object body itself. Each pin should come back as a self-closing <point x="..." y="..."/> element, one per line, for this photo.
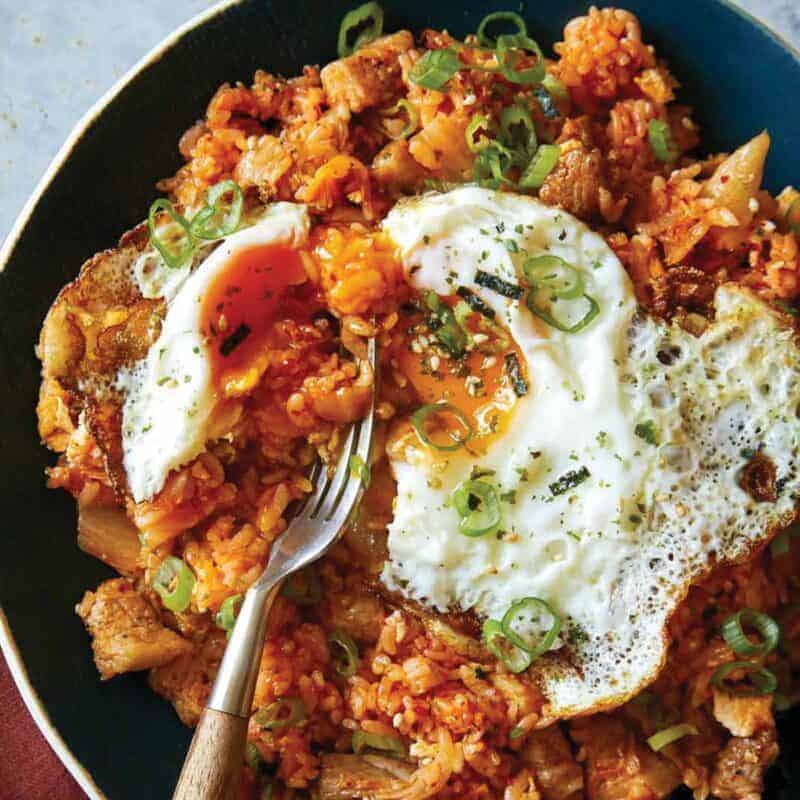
<point x="169" y="398"/>
<point x="615" y="553"/>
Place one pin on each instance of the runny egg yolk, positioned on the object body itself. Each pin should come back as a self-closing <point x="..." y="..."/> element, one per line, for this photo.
<point x="477" y="384"/>
<point x="259" y="287"/>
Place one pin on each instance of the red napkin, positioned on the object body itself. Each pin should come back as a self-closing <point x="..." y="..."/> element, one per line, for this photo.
<point x="29" y="769"/>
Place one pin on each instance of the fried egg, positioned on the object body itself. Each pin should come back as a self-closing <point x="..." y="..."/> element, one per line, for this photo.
<point x="217" y="318"/>
<point x="619" y="471"/>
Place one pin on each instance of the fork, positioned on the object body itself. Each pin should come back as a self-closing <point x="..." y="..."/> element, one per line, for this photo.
<point x="213" y="763"/>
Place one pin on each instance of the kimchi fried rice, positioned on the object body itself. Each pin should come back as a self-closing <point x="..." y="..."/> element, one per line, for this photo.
<point x="365" y="690"/>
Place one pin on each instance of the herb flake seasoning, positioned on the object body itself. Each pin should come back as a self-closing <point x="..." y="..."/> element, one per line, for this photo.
<point x="569" y="480"/>
<point x="234" y="340"/>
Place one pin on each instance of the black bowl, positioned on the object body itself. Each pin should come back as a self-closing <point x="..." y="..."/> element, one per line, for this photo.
<point x="739" y="77"/>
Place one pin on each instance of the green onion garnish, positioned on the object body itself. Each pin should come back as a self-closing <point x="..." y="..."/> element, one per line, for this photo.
<point x="516" y="732"/>
<point x="648" y="431"/>
<point x="372" y="741"/>
<point x="542" y="164"/>
<point x="303" y="588"/>
<point x="514" y="372"/>
<point x="660" y="135"/>
<point x="793" y="216"/>
<point x="519" y="133"/>
<point x="669" y="735"/>
<point x="366" y="22"/>
<point x="219" y="217"/>
<point x="443" y="414"/>
<point x="173" y="240"/>
<point x="569" y="480"/>
<point x="553" y="273"/>
<point x="509" y="50"/>
<point x="478" y="505"/>
<point x="515" y="658"/>
<point x="760" y="679"/>
<point x="479" y="124"/>
<point x="491" y="164"/>
<point x="435" y="68"/>
<point x="345" y="660"/>
<point x="253" y="758"/>
<point x="412" y="115"/>
<point x="174" y="582"/>
<point x="444" y="325"/>
<point x="733" y="632"/>
<point x="489" y="281"/>
<point x="228" y="610"/>
<point x="485" y="40"/>
<point x="360" y="470"/>
<point x="555" y="87"/>
<point x="529" y="613"/>
<point x="567" y="316"/>
<point x="281" y="714"/>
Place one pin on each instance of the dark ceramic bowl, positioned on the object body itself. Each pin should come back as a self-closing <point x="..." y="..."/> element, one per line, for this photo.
<point x="118" y="738"/>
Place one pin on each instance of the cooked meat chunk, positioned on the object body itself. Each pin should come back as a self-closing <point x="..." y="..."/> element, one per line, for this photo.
<point x="619" y="765"/>
<point x="125" y="629"/>
<point x="576" y="181"/>
<point x="186" y="682"/>
<point x="350" y="777"/>
<point x="743" y="716"/>
<point x="739" y="773"/>
<point x="558" y="774"/>
<point x="370" y="76"/>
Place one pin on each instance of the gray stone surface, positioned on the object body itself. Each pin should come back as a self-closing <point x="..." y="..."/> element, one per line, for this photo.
<point x="57" y="58"/>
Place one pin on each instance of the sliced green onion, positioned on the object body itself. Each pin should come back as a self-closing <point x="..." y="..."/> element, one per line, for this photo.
<point x="445" y="326"/>
<point x="542" y="164"/>
<point x="372" y="741"/>
<point x="738" y="641"/>
<point x="660" y="740"/>
<point x="173" y="240"/>
<point x="517" y="732"/>
<point x="573" y="315"/>
<point x="367" y="20"/>
<point x="526" y="614"/>
<point x="496" y="284"/>
<point x="219" y="218"/>
<point x="435" y="68"/>
<point x="519" y="133"/>
<point x="442" y="412"/>
<point x="761" y="680"/>
<point x="555" y="87"/>
<point x="485" y="40"/>
<point x="281" y="714"/>
<point x="345" y="662"/>
<point x="793" y="216"/>
<point x="515" y="658"/>
<point x="478" y="505"/>
<point x="479" y="124"/>
<point x="254" y="759"/>
<point x="174" y="582"/>
<point x="555" y="274"/>
<point x="660" y="136"/>
<point x="303" y="588"/>
<point x="360" y="470"/>
<point x="228" y="610"/>
<point x="412" y="115"/>
<point x="491" y="164"/>
<point x="509" y="49"/>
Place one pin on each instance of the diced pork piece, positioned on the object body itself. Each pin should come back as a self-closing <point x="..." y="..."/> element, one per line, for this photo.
<point x="369" y="77"/>
<point x="186" y="682"/>
<point x="743" y="716"/>
<point x="126" y="632"/>
<point x="558" y="774"/>
<point x="619" y="765"/>
<point x="739" y="773"/>
<point x="351" y="777"/>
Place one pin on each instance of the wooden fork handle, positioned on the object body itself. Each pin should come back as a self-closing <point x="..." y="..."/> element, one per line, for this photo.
<point x="212" y="766"/>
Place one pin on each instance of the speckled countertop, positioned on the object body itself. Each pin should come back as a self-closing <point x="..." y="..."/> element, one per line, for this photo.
<point x="57" y="59"/>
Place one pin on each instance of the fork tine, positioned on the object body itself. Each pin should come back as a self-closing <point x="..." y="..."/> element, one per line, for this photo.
<point x="319" y="478"/>
<point x="340" y="477"/>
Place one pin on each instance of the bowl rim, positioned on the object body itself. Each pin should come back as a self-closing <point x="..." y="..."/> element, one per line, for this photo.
<point x="8" y="645"/>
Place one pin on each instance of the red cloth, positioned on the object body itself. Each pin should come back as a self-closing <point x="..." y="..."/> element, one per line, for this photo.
<point x="29" y="769"/>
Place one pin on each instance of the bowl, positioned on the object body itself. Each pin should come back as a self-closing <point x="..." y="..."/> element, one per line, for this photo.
<point x="118" y="738"/>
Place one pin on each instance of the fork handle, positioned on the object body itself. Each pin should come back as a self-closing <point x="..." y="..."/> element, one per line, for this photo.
<point x="214" y="761"/>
